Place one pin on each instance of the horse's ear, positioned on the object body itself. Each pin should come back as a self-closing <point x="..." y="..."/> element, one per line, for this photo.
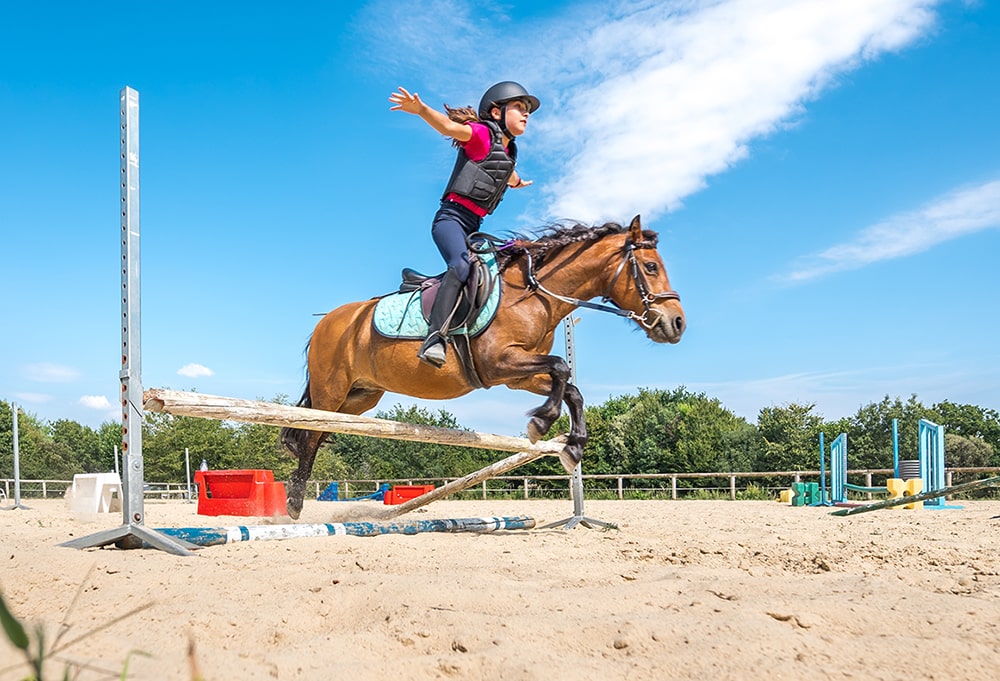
<point x="635" y="230"/>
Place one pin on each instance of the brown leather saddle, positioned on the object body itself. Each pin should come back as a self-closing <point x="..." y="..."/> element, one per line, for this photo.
<point x="474" y="298"/>
<point x="472" y="301"/>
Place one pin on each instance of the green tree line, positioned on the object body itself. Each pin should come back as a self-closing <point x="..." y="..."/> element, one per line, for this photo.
<point x="653" y="431"/>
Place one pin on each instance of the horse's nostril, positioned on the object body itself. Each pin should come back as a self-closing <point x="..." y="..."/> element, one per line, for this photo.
<point x="678" y="323"/>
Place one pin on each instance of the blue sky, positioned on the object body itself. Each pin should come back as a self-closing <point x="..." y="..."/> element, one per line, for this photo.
<point x="825" y="179"/>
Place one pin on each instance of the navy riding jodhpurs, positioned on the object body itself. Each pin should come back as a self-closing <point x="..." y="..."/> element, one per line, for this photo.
<point x="452" y="223"/>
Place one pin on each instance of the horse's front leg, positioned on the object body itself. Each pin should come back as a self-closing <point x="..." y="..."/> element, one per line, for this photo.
<point x="577" y="439"/>
<point x="546" y="375"/>
<point x="544" y="416"/>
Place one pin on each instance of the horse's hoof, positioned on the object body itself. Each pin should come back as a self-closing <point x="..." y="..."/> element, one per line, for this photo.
<point x="568" y="460"/>
<point x="571" y="455"/>
<point x="534" y="432"/>
<point x="293" y="512"/>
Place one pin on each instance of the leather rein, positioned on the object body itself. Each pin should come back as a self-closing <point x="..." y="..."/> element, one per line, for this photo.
<point x="648" y="297"/>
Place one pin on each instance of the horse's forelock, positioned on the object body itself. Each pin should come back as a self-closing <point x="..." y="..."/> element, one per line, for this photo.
<point x="649" y="239"/>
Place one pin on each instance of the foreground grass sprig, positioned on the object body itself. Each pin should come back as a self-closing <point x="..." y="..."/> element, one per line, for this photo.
<point x="36" y="656"/>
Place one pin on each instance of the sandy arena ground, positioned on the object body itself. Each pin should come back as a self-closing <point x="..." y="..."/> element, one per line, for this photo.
<point x="685" y="590"/>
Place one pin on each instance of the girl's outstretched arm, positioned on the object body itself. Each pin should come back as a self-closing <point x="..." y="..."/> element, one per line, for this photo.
<point x="411" y="103"/>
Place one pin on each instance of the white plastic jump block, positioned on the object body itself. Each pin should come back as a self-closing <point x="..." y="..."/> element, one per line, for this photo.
<point x="92" y="492"/>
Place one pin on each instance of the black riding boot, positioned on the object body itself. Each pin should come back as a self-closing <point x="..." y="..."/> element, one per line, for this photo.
<point x="433" y="350"/>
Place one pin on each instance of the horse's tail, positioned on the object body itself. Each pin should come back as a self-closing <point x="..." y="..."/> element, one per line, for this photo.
<point x="293" y="439"/>
<point x="306" y="400"/>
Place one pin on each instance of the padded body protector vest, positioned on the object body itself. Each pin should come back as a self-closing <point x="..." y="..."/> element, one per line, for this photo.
<point x="484" y="182"/>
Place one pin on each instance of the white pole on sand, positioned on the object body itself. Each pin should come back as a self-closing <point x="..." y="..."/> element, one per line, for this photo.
<point x="17" y="462"/>
<point x="187" y="466"/>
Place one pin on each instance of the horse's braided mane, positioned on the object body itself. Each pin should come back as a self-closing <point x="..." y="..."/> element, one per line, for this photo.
<point x="556" y="236"/>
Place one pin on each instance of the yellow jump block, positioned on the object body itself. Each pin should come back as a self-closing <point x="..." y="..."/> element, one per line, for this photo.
<point x="905" y="488"/>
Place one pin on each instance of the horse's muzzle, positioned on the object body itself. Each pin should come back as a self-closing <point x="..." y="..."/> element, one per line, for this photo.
<point x="665" y="326"/>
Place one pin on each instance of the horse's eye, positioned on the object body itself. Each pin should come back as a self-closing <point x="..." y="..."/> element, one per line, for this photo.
<point x="650" y="267"/>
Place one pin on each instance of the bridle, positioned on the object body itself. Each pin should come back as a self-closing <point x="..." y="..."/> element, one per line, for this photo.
<point x="641" y="284"/>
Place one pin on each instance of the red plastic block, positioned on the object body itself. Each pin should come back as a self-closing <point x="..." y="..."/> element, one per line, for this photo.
<point x="240" y="492"/>
<point x="400" y="493"/>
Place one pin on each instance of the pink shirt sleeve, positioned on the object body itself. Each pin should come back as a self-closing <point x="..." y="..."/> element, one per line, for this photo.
<point x="479" y="144"/>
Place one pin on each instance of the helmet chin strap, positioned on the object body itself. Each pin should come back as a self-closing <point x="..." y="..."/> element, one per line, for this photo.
<point x="503" y="121"/>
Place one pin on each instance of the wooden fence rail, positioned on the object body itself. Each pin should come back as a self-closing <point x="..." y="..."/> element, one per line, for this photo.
<point x="620" y="486"/>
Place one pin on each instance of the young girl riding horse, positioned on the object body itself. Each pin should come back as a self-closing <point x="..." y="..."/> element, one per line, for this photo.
<point x="483" y="172"/>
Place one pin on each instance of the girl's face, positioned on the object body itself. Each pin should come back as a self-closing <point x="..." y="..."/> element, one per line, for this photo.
<point x="517" y="117"/>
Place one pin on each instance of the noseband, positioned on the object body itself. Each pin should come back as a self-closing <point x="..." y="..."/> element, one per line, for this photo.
<point x="641" y="284"/>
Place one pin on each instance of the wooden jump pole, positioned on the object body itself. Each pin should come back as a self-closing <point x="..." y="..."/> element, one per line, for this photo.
<point x="923" y="496"/>
<point x="232" y="409"/>
<point x="447" y="489"/>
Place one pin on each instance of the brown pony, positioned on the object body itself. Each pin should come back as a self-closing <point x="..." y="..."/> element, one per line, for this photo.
<point x="350" y="366"/>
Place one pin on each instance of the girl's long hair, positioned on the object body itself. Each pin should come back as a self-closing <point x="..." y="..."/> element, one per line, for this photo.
<point x="463" y="114"/>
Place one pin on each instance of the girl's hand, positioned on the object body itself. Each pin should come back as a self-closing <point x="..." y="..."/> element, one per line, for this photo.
<point x="518" y="182"/>
<point x="404" y="101"/>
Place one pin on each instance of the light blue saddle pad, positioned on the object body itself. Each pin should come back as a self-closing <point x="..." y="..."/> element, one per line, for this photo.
<point x="398" y="315"/>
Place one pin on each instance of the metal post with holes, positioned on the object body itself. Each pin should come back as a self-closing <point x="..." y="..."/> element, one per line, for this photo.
<point x="576" y="481"/>
<point x="132" y="533"/>
<point x="17" y="462"/>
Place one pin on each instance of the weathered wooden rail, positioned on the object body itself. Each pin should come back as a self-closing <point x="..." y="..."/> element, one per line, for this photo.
<point x="248" y="411"/>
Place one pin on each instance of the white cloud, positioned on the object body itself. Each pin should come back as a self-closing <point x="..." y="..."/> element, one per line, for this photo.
<point x="95" y="402"/>
<point x="195" y="371"/>
<point x="958" y="213"/>
<point x="34" y="398"/>
<point x="662" y="96"/>
<point x="643" y="101"/>
<point x="46" y="372"/>
<point x="413" y="30"/>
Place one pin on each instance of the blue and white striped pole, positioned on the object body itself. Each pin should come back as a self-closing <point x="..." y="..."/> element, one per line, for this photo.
<point x="213" y="536"/>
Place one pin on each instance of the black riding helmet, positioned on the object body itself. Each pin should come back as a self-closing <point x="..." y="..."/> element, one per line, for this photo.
<point x="499" y="95"/>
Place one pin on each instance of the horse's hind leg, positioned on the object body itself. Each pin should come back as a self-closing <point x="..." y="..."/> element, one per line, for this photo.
<point x="305" y="443"/>
<point x="301" y="444"/>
